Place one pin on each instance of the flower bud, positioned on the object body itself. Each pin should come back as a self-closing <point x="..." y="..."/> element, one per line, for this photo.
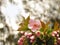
<point x="31" y="41"/>
<point x="37" y="33"/>
<point x="26" y="33"/>
<point x="57" y="35"/>
<point x="22" y="32"/>
<point x="54" y="33"/>
<point x="32" y="37"/>
<point x="20" y="41"/>
<point x="29" y="35"/>
<point x="58" y="41"/>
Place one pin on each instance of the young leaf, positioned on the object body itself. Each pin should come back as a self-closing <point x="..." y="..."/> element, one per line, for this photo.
<point x="46" y="26"/>
<point x="24" y="25"/>
<point x="56" y="25"/>
<point x="42" y="24"/>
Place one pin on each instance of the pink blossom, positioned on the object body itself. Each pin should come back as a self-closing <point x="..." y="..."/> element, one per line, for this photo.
<point x="34" y="25"/>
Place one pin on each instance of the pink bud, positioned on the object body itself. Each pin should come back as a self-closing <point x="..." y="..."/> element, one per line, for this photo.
<point x="54" y="32"/>
<point x="57" y="35"/>
<point x="32" y="37"/>
<point x="58" y="38"/>
<point x="29" y="35"/>
<point x="58" y="41"/>
<point x="58" y="31"/>
<point x="38" y="33"/>
<point x="21" y="39"/>
<point x="20" y="43"/>
<point x="22" y="32"/>
<point x="31" y="41"/>
<point x="23" y="36"/>
<point x="26" y="33"/>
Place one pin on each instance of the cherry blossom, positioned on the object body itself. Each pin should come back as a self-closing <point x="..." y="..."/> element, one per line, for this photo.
<point x="34" y="25"/>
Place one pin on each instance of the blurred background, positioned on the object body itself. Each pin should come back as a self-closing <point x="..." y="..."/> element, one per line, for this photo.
<point x="13" y="11"/>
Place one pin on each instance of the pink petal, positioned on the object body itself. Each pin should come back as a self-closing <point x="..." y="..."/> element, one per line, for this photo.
<point x="31" y="21"/>
<point x="33" y="30"/>
<point x="30" y="26"/>
<point x="38" y="22"/>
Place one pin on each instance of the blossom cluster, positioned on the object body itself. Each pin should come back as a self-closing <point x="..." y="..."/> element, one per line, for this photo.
<point x="35" y="32"/>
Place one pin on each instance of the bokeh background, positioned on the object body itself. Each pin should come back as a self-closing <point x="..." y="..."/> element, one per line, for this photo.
<point x="13" y="11"/>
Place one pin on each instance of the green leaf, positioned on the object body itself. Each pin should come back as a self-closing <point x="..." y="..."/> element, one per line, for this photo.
<point x="24" y="24"/>
<point x="46" y="27"/>
<point x="49" y="31"/>
<point x="41" y="30"/>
